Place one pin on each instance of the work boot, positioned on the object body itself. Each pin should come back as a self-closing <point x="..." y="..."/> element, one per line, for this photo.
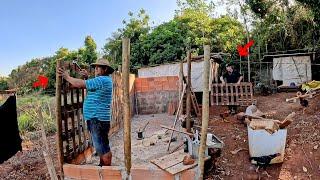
<point x="105" y="160"/>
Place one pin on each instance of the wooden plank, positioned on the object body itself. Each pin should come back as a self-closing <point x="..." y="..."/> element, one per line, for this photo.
<point x="169" y="160"/>
<point x="216" y="97"/>
<point x="180" y="167"/>
<point x="241" y="94"/>
<point x="78" y="121"/>
<point x="73" y="123"/>
<point x="222" y="97"/>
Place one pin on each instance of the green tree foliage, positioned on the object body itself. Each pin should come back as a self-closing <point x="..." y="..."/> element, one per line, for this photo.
<point x="4" y="83"/>
<point x="136" y="28"/>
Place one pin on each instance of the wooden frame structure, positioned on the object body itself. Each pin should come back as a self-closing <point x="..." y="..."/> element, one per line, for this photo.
<point x="72" y="134"/>
<point x="232" y="94"/>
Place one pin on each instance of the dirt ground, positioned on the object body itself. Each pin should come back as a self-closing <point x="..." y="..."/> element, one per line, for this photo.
<point x="302" y="142"/>
<point x="302" y="158"/>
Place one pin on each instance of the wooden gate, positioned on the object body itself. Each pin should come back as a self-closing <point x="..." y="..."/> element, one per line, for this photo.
<point x="232" y="94"/>
<point x="73" y="136"/>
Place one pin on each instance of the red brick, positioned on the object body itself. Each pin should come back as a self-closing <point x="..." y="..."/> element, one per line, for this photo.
<point x="189" y="174"/>
<point x="143" y="173"/>
<point x="111" y="173"/>
<point x="89" y="172"/>
<point x="137" y="80"/>
<point x="144" y="82"/>
<point x="71" y="171"/>
<point x="144" y="89"/>
<point x="166" y="87"/>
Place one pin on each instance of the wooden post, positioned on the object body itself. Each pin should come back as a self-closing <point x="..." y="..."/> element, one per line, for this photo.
<point x="188" y="108"/>
<point x="205" y="110"/>
<point x="126" y="103"/>
<point x="58" y="118"/>
<point x="181" y="76"/>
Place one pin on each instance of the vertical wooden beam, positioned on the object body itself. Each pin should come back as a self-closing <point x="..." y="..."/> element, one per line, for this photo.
<point x="188" y="108"/>
<point x="205" y="110"/>
<point x="126" y="103"/>
<point x="58" y="117"/>
<point x="181" y="76"/>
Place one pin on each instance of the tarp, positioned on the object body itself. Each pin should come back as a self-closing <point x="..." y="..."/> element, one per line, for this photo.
<point x="292" y="69"/>
<point x="313" y="85"/>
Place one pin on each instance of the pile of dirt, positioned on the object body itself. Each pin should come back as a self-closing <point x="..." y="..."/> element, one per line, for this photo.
<point x="302" y="154"/>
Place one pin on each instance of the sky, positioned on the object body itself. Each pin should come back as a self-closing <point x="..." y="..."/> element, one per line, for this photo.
<point x="38" y="28"/>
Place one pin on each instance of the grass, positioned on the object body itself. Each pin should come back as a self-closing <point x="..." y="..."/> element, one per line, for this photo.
<point x="28" y="115"/>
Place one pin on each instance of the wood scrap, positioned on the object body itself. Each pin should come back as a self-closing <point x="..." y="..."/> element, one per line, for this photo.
<point x="269" y="126"/>
<point x="299" y="95"/>
<point x="287" y="121"/>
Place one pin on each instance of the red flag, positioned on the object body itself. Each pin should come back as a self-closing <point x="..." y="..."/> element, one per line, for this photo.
<point x="244" y="51"/>
<point x="42" y="81"/>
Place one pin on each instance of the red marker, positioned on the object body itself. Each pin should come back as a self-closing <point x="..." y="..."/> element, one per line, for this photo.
<point x="244" y="51"/>
<point x="42" y="81"/>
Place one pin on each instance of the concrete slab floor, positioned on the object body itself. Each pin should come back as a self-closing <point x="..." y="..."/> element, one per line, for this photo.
<point x="141" y="150"/>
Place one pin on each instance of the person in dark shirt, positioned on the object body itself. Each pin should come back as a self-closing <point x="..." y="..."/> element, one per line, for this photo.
<point x="231" y="76"/>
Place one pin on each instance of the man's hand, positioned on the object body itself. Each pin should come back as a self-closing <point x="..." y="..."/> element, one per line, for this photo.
<point x="223" y="83"/>
<point x="63" y="73"/>
<point x="84" y="73"/>
<point x="239" y="82"/>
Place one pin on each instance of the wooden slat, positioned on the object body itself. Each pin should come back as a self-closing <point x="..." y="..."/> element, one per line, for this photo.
<point x="227" y="92"/>
<point x="217" y="91"/>
<point x="241" y="94"/>
<point x="180" y="167"/>
<point x="232" y="97"/>
<point x="222" y="97"/>
<point x="72" y="122"/>
<point x="237" y="93"/>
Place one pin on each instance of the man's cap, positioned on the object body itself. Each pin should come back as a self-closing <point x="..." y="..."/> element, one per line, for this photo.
<point x="103" y="62"/>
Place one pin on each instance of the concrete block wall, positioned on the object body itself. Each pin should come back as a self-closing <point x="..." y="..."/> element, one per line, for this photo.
<point x="154" y="94"/>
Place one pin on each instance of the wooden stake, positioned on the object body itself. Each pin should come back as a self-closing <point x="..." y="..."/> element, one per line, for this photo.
<point x="58" y="118"/>
<point x="126" y="103"/>
<point x="166" y="127"/>
<point x="177" y="115"/>
<point x="181" y="76"/>
<point x="45" y="151"/>
<point x="205" y="110"/>
<point x="188" y="108"/>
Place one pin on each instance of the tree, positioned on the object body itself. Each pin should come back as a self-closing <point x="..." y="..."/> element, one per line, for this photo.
<point x="88" y="54"/>
<point x="136" y="28"/>
<point x="4" y="83"/>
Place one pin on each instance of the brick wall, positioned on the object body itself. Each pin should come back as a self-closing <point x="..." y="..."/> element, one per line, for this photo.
<point x="154" y="94"/>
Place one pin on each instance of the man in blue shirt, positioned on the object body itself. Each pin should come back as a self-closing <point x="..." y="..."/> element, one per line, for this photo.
<point x="97" y="106"/>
